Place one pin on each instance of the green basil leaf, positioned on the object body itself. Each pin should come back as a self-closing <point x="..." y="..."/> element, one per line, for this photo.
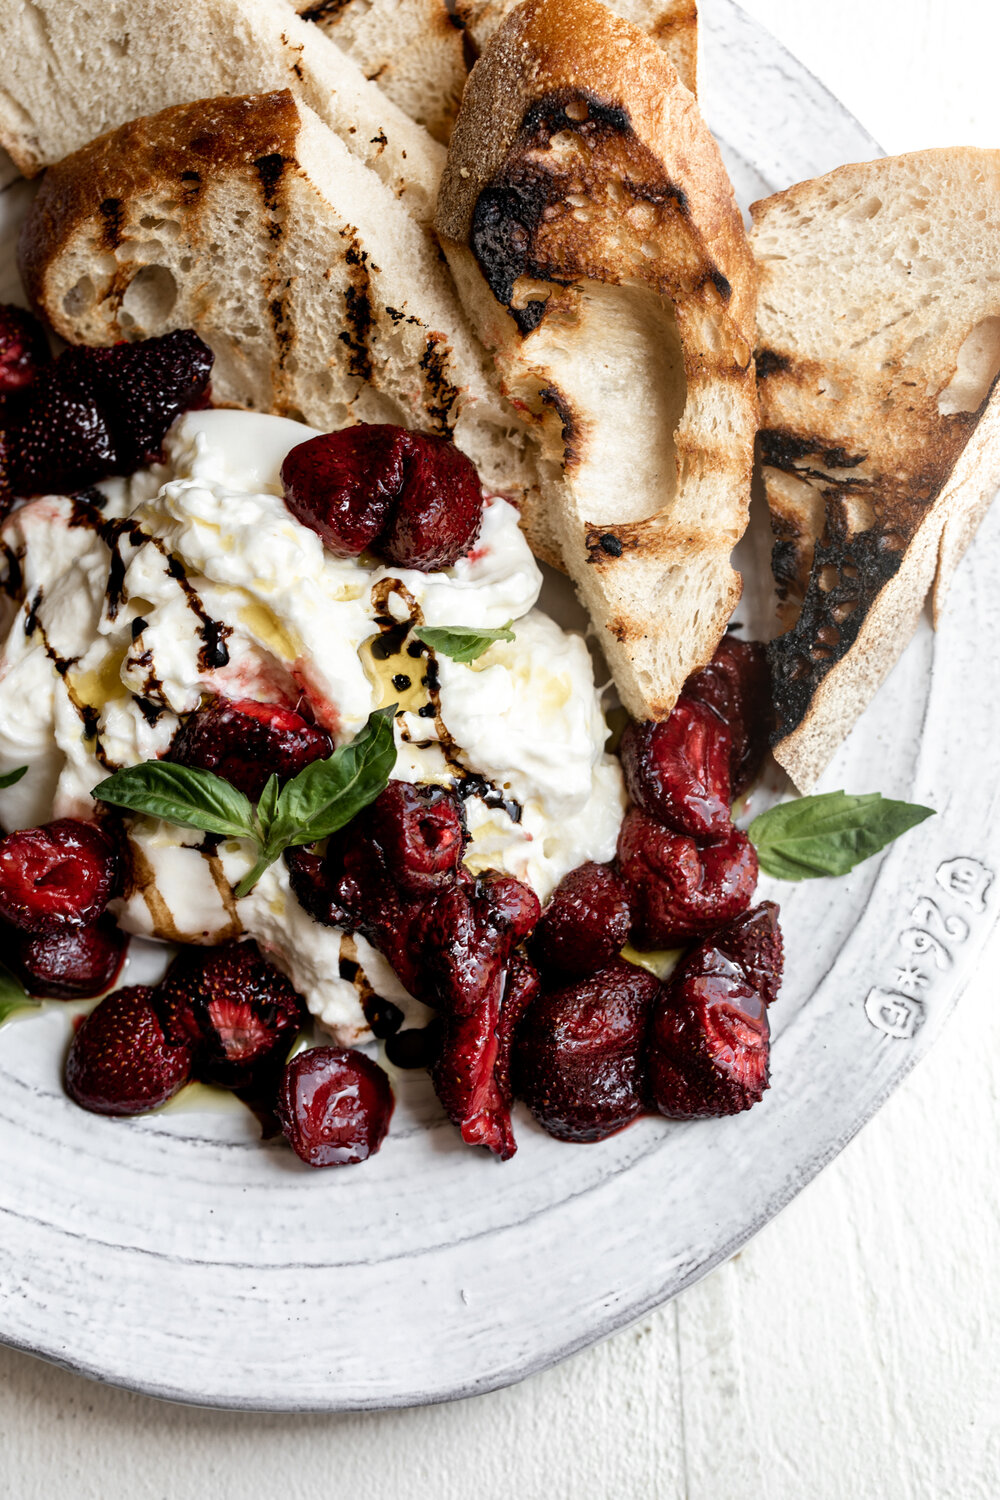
<point x="462" y="642"/>
<point x="829" y="834"/>
<point x="13" y="996"/>
<point x="268" y="805"/>
<point x="329" y="793"/>
<point x="12" y="777"/>
<point x="181" y="794"/>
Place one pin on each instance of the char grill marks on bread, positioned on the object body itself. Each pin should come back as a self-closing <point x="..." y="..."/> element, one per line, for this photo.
<point x="251" y="222"/>
<point x="76" y="68"/>
<point x="594" y="237"/>
<point x="879" y="347"/>
<point x="420" y="51"/>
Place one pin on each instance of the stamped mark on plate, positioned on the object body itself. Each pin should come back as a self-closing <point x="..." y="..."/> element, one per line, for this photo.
<point x="929" y="940"/>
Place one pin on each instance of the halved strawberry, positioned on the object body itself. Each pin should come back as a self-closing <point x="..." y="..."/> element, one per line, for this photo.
<point x="121" y="1061"/>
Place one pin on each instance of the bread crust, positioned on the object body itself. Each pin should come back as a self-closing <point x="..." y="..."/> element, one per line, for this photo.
<point x="878" y="418"/>
<point x="421" y="51"/>
<point x="591" y="227"/>
<point x="248" y="220"/>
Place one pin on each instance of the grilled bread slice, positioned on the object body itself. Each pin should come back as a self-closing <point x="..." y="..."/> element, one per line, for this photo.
<point x="251" y="222"/>
<point x="76" y="68"/>
<point x="595" y="240"/>
<point x="420" y="51"/>
<point x="879" y="347"/>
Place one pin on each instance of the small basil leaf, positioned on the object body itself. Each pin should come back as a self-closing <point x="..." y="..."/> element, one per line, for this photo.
<point x="462" y="642"/>
<point x="180" y="794"/>
<point x="268" y="804"/>
<point x="13" y="996"/>
<point x="830" y="833"/>
<point x="329" y="793"/>
<point x="12" y="777"/>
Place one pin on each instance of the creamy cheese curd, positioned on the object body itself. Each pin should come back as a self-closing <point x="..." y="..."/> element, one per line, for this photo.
<point x="114" y="637"/>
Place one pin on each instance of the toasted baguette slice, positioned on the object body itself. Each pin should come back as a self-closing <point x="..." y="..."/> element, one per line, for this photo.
<point x="879" y="347"/>
<point x="420" y="51"/>
<point x="249" y="221"/>
<point x="76" y="68"/>
<point x="594" y="237"/>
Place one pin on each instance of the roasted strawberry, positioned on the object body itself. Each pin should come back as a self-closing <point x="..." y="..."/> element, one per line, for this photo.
<point x="439" y="510"/>
<point x="420" y="831"/>
<point x="75" y="964"/>
<point x="578" y="1059"/>
<point x="120" y="1061"/>
<point x="521" y="988"/>
<point x="680" y="889"/>
<point x="414" y="500"/>
<point x="736" y="684"/>
<point x="585" y="922"/>
<point x="468" y="933"/>
<point x="315" y="889"/>
<point x="342" y="484"/>
<point x="754" y="941"/>
<point x="391" y="921"/>
<point x="97" y="412"/>
<point x="334" y="1105"/>
<point x="24" y="349"/>
<point x="55" y="877"/>
<point x="464" y="1072"/>
<point x="233" y="1008"/>
<point x="677" y="771"/>
<point x="143" y="387"/>
<point x="62" y="439"/>
<point x="246" y="742"/>
<point x="709" y="1039"/>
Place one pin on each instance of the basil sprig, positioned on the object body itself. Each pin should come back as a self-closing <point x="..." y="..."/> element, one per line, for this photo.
<point x="830" y="833"/>
<point x="323" y="797"/>
<point x="13" y="995"/>
<point x="462" y="642"/>
<point x="12" y="776"/>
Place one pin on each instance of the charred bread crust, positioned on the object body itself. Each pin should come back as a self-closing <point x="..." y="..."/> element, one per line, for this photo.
<point x="254" y="135"/>
<point x="878" y="367"/>
<point x="554" y="194"/>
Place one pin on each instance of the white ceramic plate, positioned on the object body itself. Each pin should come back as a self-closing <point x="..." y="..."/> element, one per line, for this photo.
<point x="178" y="1256"/>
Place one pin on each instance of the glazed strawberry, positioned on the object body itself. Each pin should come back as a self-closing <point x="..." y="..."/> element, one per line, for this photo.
<point x="315" y="890"/>
<point x="585" y="922"/>
<point x="24" y="349"/>
<point x="678" y="888"/>
<point x="754" y="941"/>
<point x="439" y="510"/>
<point x="233" y="1008"/>
<point x="578" y="1061"/>
<point x="75" y="964"/>
<point x="471" y="1068"/>
<point x="342" y="484"/>
<point x="677" y="771"/>
<point x="62" y="440"/>
<point x="97" y="412"/>
<point x="414" y="500"/>
<point x="334" y="1106"/>
<point x="421" y="833"/>
<point x="709" y="1039"/>
<point x="246" y="742"/>
<point x="468" y="933"/>
<point x="120" y="1061"/>
<point x="521" y="988"/>
<point x="736" y="685"/>
<point x="143" y="387"/>
<point x="55" y="877"/>
<point x="391" y="921"/>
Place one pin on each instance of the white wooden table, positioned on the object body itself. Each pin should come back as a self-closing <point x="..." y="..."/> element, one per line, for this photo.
<point x="851" y="1350"/>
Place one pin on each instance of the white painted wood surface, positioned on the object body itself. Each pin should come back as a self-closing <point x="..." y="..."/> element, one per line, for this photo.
<point x="851" y="1349"/>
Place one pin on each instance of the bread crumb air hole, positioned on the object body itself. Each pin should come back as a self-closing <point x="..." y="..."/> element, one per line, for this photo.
<point x="150" y="296"/>
<point x="79" y="297"/>
<point x="975" y="371"/>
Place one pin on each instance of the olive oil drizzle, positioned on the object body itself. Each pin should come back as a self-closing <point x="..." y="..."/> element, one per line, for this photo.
<point x="391" y="642"/>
